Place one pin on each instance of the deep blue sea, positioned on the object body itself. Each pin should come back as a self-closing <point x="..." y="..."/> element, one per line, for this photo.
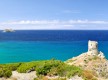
<point x="31" y="45"/>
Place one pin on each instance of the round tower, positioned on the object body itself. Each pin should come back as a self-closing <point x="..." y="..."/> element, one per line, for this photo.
<point x="93" y="47"/>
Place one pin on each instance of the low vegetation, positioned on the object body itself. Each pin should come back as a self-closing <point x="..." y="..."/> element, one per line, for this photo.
<point x="45" y="68"/>
<point x="88" y="75"/>
<point x="5" y="72"/>
<point x="50" y="68"/>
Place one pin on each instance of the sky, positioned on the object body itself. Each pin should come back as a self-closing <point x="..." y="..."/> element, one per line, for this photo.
<point x="54" y="14"/>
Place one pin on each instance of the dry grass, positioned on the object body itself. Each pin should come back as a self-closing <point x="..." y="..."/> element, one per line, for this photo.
<point x="88" y="75"/>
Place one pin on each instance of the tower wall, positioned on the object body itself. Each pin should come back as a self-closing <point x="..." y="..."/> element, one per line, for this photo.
<point x="93" y="47"/>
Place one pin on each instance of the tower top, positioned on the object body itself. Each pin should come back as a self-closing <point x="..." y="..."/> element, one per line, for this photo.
<point x="92" y="44"/>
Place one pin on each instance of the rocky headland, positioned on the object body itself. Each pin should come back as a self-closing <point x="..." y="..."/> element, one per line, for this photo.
<point x="92" y="60"/>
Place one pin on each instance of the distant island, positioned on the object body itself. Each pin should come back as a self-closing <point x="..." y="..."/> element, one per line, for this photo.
<point x="91" y="65"/>
<point x="8" y="30"/>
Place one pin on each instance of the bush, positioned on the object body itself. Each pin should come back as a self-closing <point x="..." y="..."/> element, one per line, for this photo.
<point x="95" y="57"/>
<point x="4" y="72"/>
<point x="24" y="67"/>
<point x="49" y="67"/>
<point x="55" y="67"/>
<point x="30" y="66"/>
<point x="36" y="79"/>
<point x="85" y="61"/>
<point x="7" y="73"/>
<point x="12" y="66"/>
<point x="72" y="71"/>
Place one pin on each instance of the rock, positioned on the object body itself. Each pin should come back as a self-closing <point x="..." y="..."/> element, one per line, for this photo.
<point x="24" y="76"/>
<point x="101" y="54"/>
<point x="75" y="78"/>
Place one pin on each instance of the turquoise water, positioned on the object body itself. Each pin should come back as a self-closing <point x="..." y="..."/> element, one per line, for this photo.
<point x="22" y="51"/>
<point x="29" y="45"/>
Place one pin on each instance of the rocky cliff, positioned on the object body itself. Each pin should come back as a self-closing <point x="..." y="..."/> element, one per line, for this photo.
<point x="92" y="60"/>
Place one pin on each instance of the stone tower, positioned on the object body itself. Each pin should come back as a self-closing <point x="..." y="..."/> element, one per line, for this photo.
<point x="93" y="47"/>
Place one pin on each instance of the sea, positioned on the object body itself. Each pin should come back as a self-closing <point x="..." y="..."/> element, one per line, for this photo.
<point x="33" y="45"/>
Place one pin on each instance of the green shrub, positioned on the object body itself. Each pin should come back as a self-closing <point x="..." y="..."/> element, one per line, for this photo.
<point x="4" y="72"/>
<point x="72" y="71"/>
<point x="36" y="79"/>
<point x="95" y="57"/>
<point x="1" y="73"/>
<point x="24" y="67"/>
<point x="86" y="61"/>
<point x="49" y="67"/>
<point x="7" y="73"/>
<point x="12" y="66"/>
<point x="103" y="73"/>
<point x="54" y="67"/>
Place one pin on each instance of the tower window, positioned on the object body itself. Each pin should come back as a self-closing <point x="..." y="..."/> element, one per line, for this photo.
<point x="91" y="44"/>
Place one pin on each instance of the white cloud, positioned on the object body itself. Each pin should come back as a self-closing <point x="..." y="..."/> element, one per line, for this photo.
<point x="33" y="22"/>
<point x="87" y="22"/>
<point x="55" y="24"/>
